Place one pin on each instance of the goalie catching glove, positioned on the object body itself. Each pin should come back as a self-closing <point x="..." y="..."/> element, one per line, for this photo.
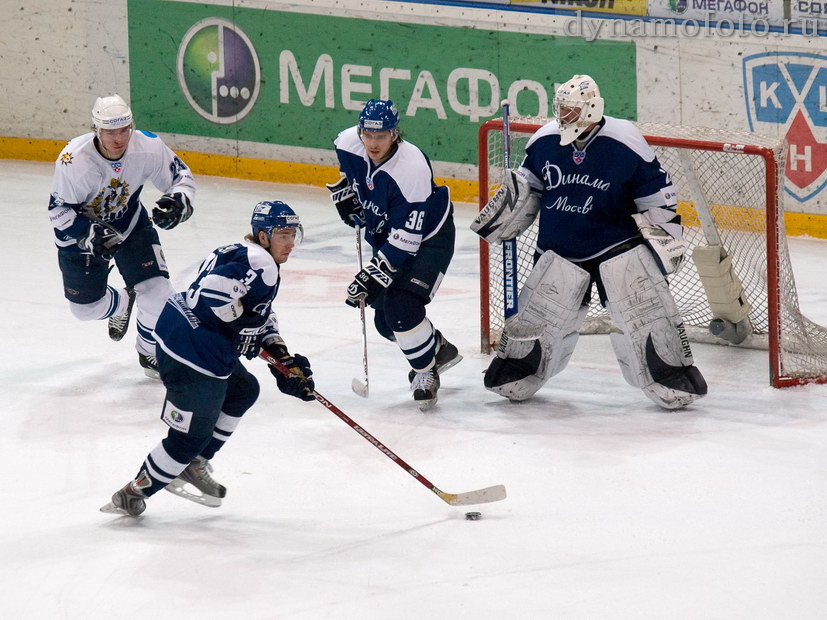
<point x="300" y="382"/>
<point x="668" y="248"/>
<point x="376" y="276"/>
<point x="347" y="203"/>
<point x="172" y="209"/>
<point x="100" y="241"/>
<point x="509" y="212"/>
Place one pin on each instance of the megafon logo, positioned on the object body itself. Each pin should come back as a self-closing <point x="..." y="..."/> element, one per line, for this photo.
<point x="790" y="89"/>
<point x="218" y="70"/>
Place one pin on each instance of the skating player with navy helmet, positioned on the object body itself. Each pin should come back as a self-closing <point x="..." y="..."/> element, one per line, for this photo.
<point x="387" y="189"/>
<point x="202" y="333"/>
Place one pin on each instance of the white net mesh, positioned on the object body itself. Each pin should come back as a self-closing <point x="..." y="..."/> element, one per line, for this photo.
<point x="734" y="184"/>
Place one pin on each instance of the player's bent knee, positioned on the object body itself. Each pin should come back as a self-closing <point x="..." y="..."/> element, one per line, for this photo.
<point x="94" y="311"/>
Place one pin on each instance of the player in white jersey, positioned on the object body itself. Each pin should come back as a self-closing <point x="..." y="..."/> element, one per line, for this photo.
<point x="202" y="333"/>
<point x="97" y="215"/>
<point x="387" y="189"/>
<point x="607" y="217"/>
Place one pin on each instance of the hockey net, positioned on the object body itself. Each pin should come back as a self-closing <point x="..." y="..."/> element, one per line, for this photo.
<point x="741" y="177"/>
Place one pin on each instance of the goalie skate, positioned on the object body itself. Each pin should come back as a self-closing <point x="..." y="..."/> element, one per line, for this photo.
<point x="197" y="485"/>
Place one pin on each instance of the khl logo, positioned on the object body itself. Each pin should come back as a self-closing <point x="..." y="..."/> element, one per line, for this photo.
<point x="790" y="89"/>
<point x="218" y="70"/>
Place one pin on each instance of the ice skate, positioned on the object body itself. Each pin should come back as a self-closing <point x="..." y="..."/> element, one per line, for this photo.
<point x="150" y="365"/>
<point x="119" y="323"/>
<point x="130" y="500"/>
<point x="447" y="356"/>
<point x="425" y="386"/>
<point x="202" y="489"/>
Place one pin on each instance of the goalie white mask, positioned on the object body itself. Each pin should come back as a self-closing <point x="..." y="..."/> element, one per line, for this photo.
<point x="577" y="105"/>
<point x="111" y="112"/>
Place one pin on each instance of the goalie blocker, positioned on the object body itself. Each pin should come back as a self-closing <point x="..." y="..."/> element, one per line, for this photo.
<point x="651" y="345"/>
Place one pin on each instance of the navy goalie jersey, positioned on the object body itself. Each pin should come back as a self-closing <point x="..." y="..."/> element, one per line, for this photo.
<point x="403" y="207"/>
<point x="235" y="288"/>
<point x="588" y="194"/>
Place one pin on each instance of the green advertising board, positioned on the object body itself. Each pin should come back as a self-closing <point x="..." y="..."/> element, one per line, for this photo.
<point x="296" y="79"/>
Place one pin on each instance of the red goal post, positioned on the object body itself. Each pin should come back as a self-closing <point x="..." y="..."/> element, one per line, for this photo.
<point x="740" y="175"/>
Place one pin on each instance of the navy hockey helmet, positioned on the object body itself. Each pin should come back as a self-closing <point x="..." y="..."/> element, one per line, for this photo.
<point x="270" y="215"/>
<point x="379" y="115"/>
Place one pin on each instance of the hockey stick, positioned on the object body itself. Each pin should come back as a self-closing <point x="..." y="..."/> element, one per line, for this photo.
<point x="480" y="496"/>
<point x="509" y="246"/>
<point x="723" y="288"/>
<point x="361" y="388"/>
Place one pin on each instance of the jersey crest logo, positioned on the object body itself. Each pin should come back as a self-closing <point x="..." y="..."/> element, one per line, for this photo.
<point x="786" y="94"/>
<point x="116" y="166"/>
<point x="369" y="182"/>
<point x="578" y="156"/>
<point x="66" y="159"/>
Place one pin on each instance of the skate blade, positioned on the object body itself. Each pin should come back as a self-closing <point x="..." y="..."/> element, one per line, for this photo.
<point x="152" y="374"/>
<point x="450" y="364"/>
<point x="111" y="508"/>
<point x="425" y="405"/>
<point x="178" y="487"/>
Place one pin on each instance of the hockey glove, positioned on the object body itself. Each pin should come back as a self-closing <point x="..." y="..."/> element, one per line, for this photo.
<point x="669" y="252"/>
<point x="172" y="209"/>
<point x="300" y="384"/>
<point x="509" y="212"/>
<point x="248" y="341"/>
<point x="100" y="241"/>
<point x="346" y="202"/>
<point x="370" y="282"/>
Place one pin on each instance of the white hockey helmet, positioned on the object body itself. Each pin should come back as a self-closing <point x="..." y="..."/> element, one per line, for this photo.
<point x="111" y="112"/>
<point x="580" y="93"/>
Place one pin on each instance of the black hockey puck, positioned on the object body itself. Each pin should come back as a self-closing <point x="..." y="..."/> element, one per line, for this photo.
<point x="473" y="516"/>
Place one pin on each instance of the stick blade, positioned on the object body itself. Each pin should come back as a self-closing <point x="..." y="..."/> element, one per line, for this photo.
<point x="480" y="496"/>
<point x="360" y="388"/>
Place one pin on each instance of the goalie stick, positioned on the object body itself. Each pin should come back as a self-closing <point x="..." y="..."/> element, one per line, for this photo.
<point x="480" y="496"/>
<point x="509" y="246"/>
<point x="361" y="388"/>
<point x="722" y="286"/>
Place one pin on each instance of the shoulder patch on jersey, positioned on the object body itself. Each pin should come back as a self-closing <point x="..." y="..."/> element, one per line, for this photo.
<point x="348" y="140"/>
<point x="549" y="129"/>
<point x="410" y="170"/>
<point x="260" y="259"/>
<point x="626" y="133"/>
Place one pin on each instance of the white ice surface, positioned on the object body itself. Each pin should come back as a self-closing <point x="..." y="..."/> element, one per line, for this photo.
<point x="615" y="508"/>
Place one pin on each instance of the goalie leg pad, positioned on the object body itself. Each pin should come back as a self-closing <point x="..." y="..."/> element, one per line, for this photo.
<point x="509" y="212"/>
<point x="652" y="347"/>
<point x="538" y="341"/>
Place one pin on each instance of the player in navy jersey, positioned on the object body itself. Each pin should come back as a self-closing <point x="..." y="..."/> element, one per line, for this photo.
<point x="606" y="217"/>
<point x="97" y="215"/>
<point x="387" y="189"/>
<point x="224" y="314"/>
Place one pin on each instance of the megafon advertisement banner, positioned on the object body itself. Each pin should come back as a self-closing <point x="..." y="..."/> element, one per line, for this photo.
<point x="297" y="79"/>
<point x="770" y="12"/>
